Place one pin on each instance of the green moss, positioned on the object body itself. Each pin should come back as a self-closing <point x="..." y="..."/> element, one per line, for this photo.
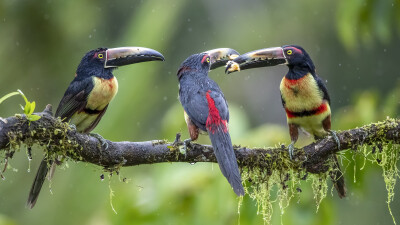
<point x="54" y="140"/>
<point x="269" y="172"/>
<point x="266" y="171"/>
<point x="320" y="187"/>
<point x="386" y="157"/>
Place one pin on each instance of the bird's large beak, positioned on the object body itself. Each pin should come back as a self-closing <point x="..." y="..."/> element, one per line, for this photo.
<point x="258" y="58"/>
<point x="129" y="55"/>
<point x="220" y="56"/>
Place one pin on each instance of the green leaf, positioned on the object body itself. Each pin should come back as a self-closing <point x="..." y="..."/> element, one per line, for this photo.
<point x="27" y="108"/>
<point x="33" y="117"/>
<point x="33" y="105"/>
<point x="7" y="96"/>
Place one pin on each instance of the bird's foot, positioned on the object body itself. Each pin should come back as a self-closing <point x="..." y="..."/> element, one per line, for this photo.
<point x="101" y="139"/>
<point x="177" y="139"/>
<point x="72" y="126"/>
<point x="335" y="137"/>
<point x="186" y="143"/>
<point x="291" y="150"/>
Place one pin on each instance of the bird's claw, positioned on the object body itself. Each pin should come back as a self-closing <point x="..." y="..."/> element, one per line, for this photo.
<point x="291" y="150"/>
<point x="335" y="137"/>
<point x="186" y="142"/>
<point x="72" y="126"/>
<point x="177" y="139"/>
<point x="101" y="139"/>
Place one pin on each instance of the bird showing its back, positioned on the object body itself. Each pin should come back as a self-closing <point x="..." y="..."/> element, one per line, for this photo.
<point x="207" y="109"/>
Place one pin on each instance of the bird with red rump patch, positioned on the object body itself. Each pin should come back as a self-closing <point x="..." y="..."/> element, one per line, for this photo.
<point x="206" y="109"/>
<point x="304" y="96"/>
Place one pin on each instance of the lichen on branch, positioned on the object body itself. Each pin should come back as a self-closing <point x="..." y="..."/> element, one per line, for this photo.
<point x="262" y="168"/>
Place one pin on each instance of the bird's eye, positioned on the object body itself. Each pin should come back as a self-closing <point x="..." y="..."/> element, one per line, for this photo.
<point x="208" y="59"/>
<point x="289" y="52"/>
<point x="100" y="56"/>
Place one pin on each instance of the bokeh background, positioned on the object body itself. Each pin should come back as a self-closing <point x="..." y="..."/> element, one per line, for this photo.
<point x="355" y="47"/>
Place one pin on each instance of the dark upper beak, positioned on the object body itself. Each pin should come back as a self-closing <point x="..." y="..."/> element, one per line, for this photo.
<point x="129" y="55"/>
<point x="258" y="58"/>
<point x="220" y="56"/>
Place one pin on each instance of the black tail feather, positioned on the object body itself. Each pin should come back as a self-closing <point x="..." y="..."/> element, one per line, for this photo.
<point x="223" y="150"/>
<point x="38" y="183"/>
<point x="338" y="178"/>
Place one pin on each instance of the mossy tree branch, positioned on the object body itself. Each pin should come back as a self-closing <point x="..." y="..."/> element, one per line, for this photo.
<point x="58" y="137"/>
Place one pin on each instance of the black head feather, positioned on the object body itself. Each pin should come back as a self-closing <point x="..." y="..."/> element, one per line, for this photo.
<point x="298" y="57"/>
<point x="200" y="63"/>
<point x="92" y="64"/>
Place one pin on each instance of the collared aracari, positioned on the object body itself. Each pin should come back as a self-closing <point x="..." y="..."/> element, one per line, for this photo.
<point x="304" y="95"/>
<point x="88" y="95"/>
<point x="206" y="109"/>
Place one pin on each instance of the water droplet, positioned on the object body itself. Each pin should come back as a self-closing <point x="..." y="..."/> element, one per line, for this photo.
<point x="165" y="98"/>
<point x="102" y="177"/>
<point x="188" y="19"/>
<point x="90" y="36"/>
<point x="29" y="160"/>
<point x="340" y="64"/>
<point x="326" y="81"/>
<point x="192" y="163"/>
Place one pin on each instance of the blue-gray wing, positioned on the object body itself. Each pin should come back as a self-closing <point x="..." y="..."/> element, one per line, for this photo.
<point x="323" y="88"/>
<point x="198" y="105"/>
<point x="195" y="105"/>
<point x="75" y="98"/>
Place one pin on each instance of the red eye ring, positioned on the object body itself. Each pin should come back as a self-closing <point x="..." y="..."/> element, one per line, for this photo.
<point x="205" y="58"/>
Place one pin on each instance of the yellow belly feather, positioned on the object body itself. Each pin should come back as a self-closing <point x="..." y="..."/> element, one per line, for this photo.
<point x="302" y="94"/>
<point x="312" y="124"/>
<point x="102" y="94"/>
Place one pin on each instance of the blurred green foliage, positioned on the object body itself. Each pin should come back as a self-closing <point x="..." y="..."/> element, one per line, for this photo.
<point x="354" y="45"/>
